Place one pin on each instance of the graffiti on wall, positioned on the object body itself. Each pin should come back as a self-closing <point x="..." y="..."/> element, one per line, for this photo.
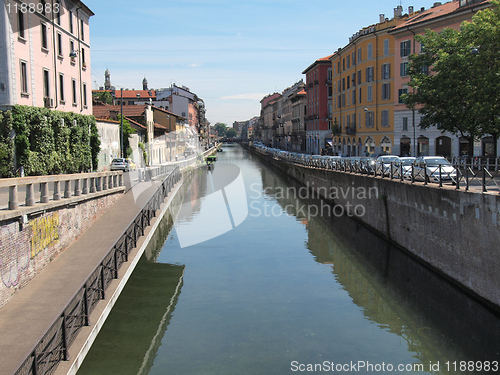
<point x="44" y="232"/>
<point x="14" y="254"/>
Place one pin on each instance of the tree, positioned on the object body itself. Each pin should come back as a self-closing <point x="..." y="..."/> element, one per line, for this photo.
<point x="104" y="97"/>
<point x="460" y="92"/>
<point x="127" y="132"/>
<point x="231" y="133"/>
<point x="221" y="129"/>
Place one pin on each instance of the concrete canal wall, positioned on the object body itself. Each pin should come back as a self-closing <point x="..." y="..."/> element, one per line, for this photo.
<point x="29" y="242"/>
<point x="455" y="232"/>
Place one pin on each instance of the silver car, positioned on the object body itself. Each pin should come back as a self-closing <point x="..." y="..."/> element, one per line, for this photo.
<point x="434" y="168"/>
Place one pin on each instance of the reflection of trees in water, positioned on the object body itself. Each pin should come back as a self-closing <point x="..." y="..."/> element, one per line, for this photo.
<point x="394" y="290"/>
<point x="128" y="342"/>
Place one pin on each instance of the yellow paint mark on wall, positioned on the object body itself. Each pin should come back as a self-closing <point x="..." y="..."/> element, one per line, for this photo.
<point x="44" y="232"/>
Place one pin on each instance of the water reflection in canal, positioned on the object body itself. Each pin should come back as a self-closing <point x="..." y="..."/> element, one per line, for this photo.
<point x="281" y="291"/>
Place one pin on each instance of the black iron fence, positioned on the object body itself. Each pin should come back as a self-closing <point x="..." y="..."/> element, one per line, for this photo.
<point x="54" y="345"/>
<point x="483" y="175"/>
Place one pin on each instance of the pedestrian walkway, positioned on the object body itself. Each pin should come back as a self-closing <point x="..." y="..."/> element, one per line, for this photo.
<point x="34" y="308"/>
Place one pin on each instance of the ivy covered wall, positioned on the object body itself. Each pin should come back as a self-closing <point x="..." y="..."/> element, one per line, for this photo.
<point x="47" y="142"/>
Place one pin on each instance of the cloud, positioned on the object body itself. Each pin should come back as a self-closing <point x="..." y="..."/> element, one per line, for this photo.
<point x="195" y="65"/>
<point x="249" y="96"/>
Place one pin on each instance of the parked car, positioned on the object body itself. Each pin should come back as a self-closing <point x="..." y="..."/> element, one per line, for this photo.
<point x="131" y="164"/>
<point x="120" y="164"/>
<point x="406" y="163"/>
<point x="434" y="167"/>
<point x="384" y="163"/>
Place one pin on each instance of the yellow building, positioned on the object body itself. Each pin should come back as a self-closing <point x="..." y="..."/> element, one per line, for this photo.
<point x="363" y="90"/>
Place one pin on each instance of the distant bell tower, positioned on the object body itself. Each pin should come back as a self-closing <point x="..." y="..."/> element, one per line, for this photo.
<point x="145" y="84"/>
<point x="107" y="80"/>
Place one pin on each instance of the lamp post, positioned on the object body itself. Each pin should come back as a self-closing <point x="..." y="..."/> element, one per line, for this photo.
<point x="121" y="123"/>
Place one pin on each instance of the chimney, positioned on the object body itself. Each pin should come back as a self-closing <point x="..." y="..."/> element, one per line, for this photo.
<point x="436" y="4"/>
<point x="410" y="9"/>
<point x="382" y="18"/>
<point x="398" y="11"/>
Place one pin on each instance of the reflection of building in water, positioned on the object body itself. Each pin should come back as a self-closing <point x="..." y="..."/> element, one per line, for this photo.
<point x="394" y="291"/>
<point x="138" y="321"/>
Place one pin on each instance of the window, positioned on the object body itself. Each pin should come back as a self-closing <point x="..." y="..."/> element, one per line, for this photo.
<point x="82" y="30"/>
<point x="354" y="58"/>
<point x="84" y="94"/>
<point x="84" y="64"/>
<point x="73" y="86"/>
<point x="385" y="118"/>
<point x="20" y="20"/>
<point x="61" y="87"/>
<point x="403" y="69"/>
<point x="405" y="48"/>
<point x="369" y="51"/>
<point x="339" y="86"/>
<point x="386" y="71"/>
<point x="70" y="15"/>
<point x="46" y="83"/>
<point x="369" y="74"/>
<point x="330" y="93"/>
<point x="359" y="95"/>
<point x="354" y="79"/>
<point x="369" y="119"/>
<point x="343" y="83"/>
<point x="343" y="64"/>
<point x="348" y="82"/>
<point x="353" y="97"/>
<point x="369" y="93"/>
<point x="59" y="45"/>
<point x="24" y="77"/>
<point x="343" y="100"/>
<point x="386" y="91"/>
<point x="45" y="43"/>
<point x="72" y="49"/>
<point x="405" y="123"/>
<point x="359" y="77"/>
<point x="359" y="54"/>
<point x="401" y="92"/>
<point x="386" y="47"/>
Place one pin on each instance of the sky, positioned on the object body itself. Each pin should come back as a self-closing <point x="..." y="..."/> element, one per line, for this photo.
<point x="229" y="53"/>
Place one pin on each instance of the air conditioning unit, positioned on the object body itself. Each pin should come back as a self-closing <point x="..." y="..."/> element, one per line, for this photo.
<point x="48" y="102"/>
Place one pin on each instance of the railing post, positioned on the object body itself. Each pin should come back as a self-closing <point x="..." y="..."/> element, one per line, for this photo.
<point x="98" y="183"/>
<point x="484" y="178"/>
<point x="13" y="203"/>
<point x="67" y="189"/>
<point x="92" y="184"/>
<point x="44" y="193"/>
<point x="86" y="304"/>
<point x="34" y="365"/>
<point x="104" y="182"/>
<point x="85" y="187"/>
<point x="103" y="294"/>
<point x="440" y="176"/>
<point x="64" y="338"/>
<point x="78" y="192"/>
<point x="57" y="191"/>
<point x="30" y="195"/>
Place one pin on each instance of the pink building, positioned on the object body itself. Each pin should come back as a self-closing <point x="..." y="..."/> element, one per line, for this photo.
<point x="45" y="55"/>
<point x="318" y="121"/>
<point x="409" y="138"/>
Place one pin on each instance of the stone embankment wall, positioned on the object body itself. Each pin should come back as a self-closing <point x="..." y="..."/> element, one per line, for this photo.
<point x="26" y="248"/>
<point x="455" y="232"/>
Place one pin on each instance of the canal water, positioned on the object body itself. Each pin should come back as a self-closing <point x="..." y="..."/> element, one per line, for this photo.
<point x="245" y="277"/>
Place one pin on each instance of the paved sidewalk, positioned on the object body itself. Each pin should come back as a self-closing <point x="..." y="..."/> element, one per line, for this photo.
<point x="34" y="308"/>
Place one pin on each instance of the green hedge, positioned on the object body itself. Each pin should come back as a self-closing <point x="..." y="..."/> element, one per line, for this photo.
<point x="47" y="141"/>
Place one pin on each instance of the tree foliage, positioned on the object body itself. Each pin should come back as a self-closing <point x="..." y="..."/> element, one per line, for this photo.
<point x="127" y="132"/>
<point x="456" y="77"/>
<point x="231" y="133"/>
<point x="103" y="97"/>
<point x="221" y="129"/>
